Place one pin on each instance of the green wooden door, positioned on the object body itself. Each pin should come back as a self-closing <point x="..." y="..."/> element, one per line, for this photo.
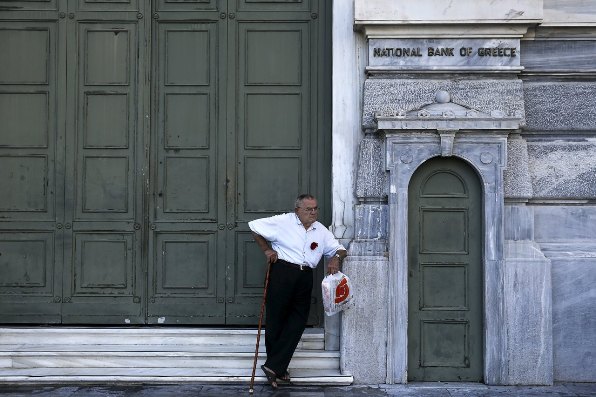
<point x="71" y="155"/>
<point x="445" y="341"/>
<point x="103" y="238"/>
<point x="238" y="116"/>
<point x="138" y="138"/>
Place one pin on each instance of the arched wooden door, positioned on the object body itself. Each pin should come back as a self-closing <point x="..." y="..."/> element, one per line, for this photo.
<point x="445" y="287"/>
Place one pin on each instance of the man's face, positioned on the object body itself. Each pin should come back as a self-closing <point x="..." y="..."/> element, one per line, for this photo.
<point x="307" y="212"/>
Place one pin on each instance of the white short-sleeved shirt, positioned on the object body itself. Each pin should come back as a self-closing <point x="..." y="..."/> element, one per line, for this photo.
<point x="292" y="242"/>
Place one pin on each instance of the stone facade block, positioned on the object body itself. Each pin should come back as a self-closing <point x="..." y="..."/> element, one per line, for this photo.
<point x="372" y="221"/>
<point x="560" y="106"/>
<point x="516" y="178"/>
<point x="563" y="169"/>
<point x="569" y="12"/>
<point x="566" y="236"/>
<point x="565" y="223"/>
<point x="518" y="222"/>
<point x="371" y="182"/>
<point x="364" y="326"/>
<point x="558" y="55"/>
<point x="528" y="314"/>
<point x="574" y="310"/>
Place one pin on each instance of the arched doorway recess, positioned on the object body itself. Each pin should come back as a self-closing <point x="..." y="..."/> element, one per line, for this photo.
<point x="445" y="273"/>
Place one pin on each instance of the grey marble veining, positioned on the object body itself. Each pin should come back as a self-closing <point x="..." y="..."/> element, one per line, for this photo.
<point x="574" y="315"/>
<point x="565" y="223"/>
<point x="567" y="236"/>
<point x="528" y="314"/>
<point x="558" y="55"/>
<point x="569" y="11"/>
<point x="429" y="11"/>
<point x="519" y="222"/>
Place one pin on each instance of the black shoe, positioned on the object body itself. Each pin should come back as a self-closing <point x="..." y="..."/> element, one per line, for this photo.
<point x="271" y="376"/>
<point x="285" y="377"/>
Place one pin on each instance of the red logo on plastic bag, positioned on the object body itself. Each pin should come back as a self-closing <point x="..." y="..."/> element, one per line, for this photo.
<point x="342" y="291"/>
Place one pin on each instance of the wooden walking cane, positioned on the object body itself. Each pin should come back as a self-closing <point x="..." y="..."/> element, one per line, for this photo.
<point x="254" y="364"/>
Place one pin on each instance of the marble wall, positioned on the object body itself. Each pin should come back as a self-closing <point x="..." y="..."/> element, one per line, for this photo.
<point x="560" y="98"/>
<point x="566" y="235"/>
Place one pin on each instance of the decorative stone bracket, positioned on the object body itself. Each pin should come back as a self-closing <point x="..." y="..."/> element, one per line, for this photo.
<point x="444" y="115"/>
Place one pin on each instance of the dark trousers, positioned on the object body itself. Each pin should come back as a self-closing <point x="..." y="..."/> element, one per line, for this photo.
<point x="288" y="305"/>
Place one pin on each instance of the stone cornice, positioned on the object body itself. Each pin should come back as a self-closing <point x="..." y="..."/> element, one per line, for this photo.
<point x="376" y="30"/>
<point x="439" y="18"/>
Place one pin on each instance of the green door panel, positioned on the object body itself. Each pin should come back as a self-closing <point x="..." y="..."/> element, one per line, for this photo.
<point x="445" y="298"/>
<point x="30" y="159"/>
<point x="184" y="282"/>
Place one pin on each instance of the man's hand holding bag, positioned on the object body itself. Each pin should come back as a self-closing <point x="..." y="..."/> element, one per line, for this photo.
<point x="337" y="293"/>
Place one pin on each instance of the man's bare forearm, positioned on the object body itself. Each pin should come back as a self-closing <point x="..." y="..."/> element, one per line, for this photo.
<point x="261" y="242"/>
<point x="270" y="254"/>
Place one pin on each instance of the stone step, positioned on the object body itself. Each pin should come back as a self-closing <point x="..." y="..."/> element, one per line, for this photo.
<point x="163" y="339"/>
<point x="106" y="359"/>
<point x="168" y="375"/>
<point x="84" y="354"/>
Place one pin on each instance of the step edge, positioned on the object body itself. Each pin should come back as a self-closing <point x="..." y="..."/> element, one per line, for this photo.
<point x="338" y="380"/>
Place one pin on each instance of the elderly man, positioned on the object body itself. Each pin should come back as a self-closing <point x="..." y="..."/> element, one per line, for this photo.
<point x="298" y="242"/>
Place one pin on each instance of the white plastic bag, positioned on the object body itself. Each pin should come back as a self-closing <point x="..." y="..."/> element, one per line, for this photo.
<point x="337" y="293"/>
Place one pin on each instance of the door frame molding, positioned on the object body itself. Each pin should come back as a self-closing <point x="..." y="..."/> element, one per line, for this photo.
<point x="486" y="152"/>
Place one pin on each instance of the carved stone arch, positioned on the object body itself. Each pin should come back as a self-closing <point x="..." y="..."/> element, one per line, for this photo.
<point x="486" y="154"/>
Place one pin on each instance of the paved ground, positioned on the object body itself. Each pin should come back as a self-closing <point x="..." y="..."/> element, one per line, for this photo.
<point x="410" y="390"/>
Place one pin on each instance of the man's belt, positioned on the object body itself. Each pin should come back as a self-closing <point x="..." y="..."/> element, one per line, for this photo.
<point x="295" y="266"/>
